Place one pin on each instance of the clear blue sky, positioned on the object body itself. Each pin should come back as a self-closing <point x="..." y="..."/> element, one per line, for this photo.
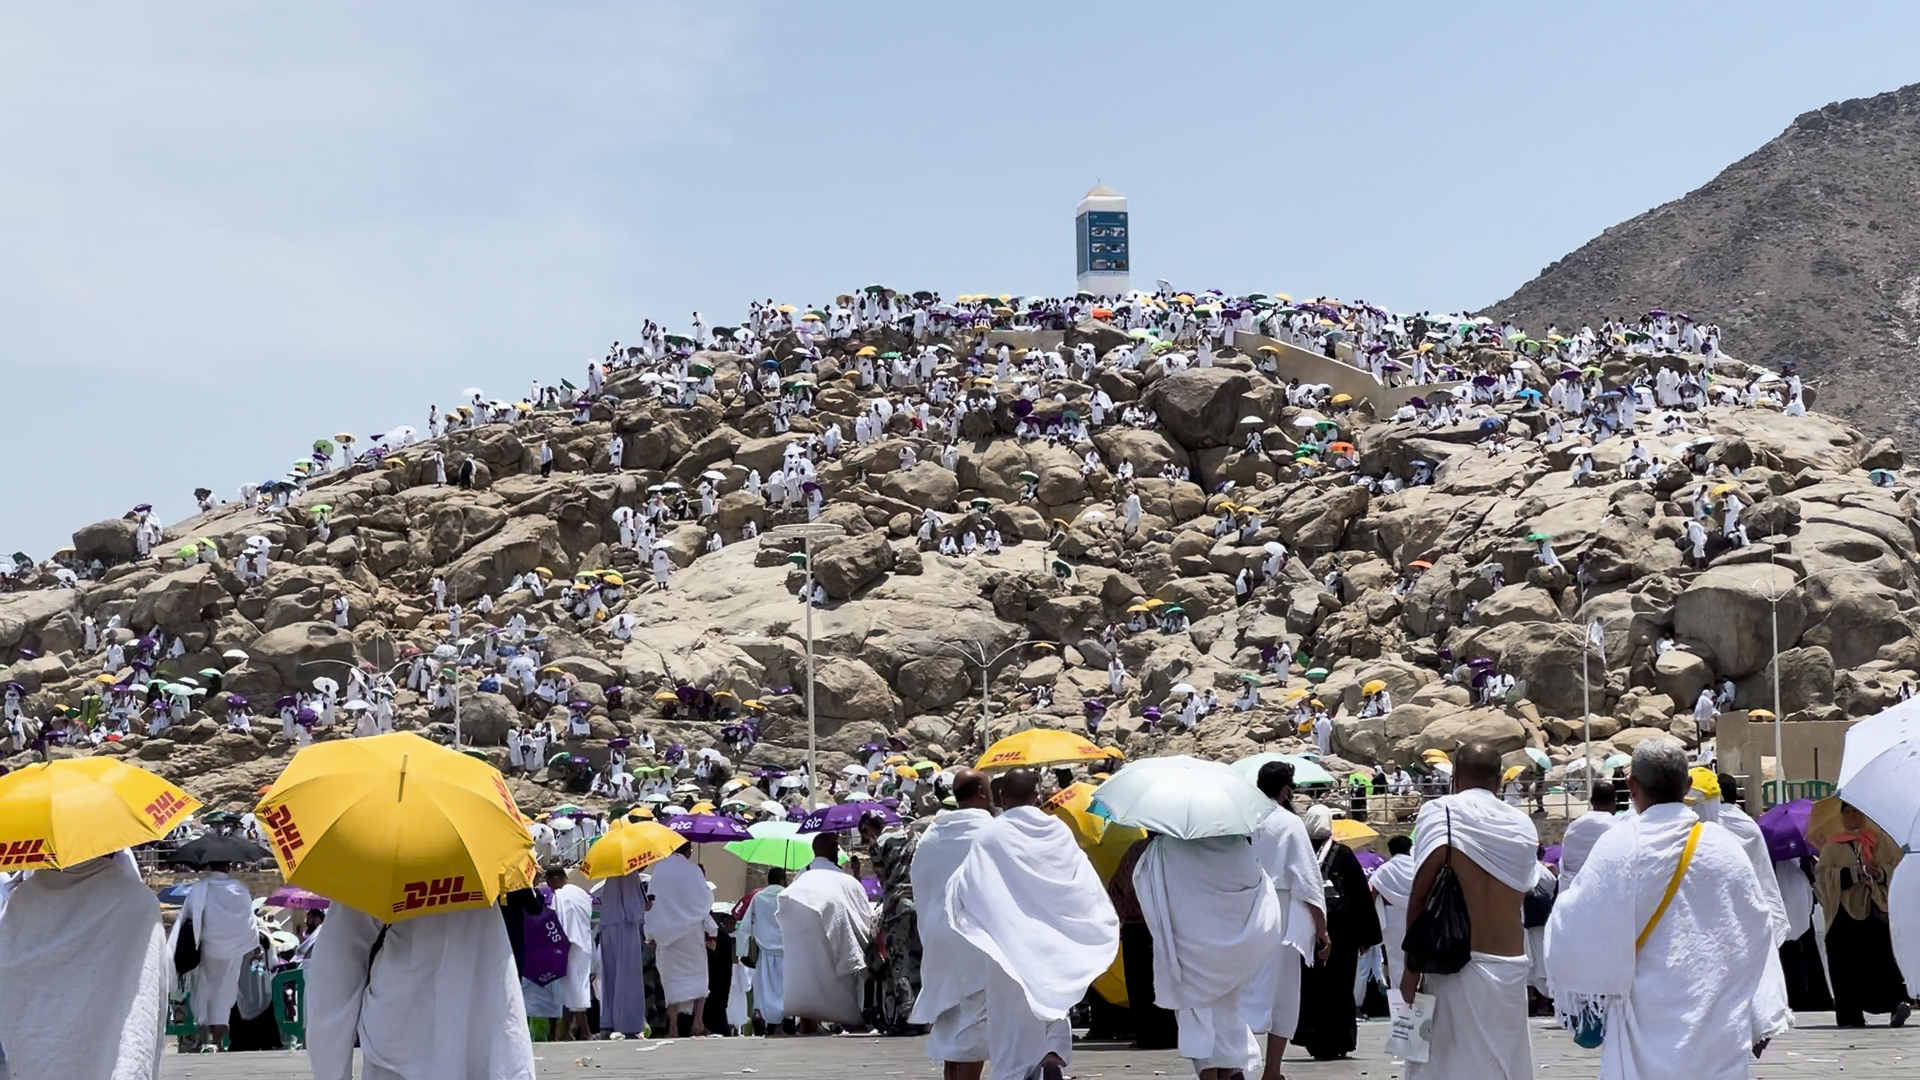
<point x="229" y="228"/>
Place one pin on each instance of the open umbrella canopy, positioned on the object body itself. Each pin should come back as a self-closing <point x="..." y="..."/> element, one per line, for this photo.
<point x="1785" y="827"/>
<point x="59" y="814"/>
<point x="629" y="847"/>
<point x="1037" y="747"/>
<point x="293" y="896"/>
<point x="216" y="848"/>
<point x="397" y="826"/>
<point x="1538" y="757"/>
<point x="1878" y="764"/>
<point x="845" y="817"/>
<point x="1305" y="771"/>
<point x="1183" y="797"/>
<point x="708" y="827"/>
<point x="775" y="843"/>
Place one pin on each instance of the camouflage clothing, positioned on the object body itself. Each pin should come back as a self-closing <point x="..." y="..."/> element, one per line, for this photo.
<point x="895" y="953"/>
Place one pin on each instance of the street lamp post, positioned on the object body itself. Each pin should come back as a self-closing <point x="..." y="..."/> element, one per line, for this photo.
<point x="1779" y="731"/>
<point x="807" y="534"/>
<point x="977" y="656"/>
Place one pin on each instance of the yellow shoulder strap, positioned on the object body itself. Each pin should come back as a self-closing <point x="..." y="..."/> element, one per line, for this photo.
<point x="1673" y="885"/>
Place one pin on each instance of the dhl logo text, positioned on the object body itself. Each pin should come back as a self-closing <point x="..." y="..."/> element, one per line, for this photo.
<point x="24" y="853"/>
<point x="439" y="892"/>
<point x="165" y="808"/>
<point x="286" y="835"/>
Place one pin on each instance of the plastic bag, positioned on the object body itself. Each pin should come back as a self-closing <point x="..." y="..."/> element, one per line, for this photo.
<point x="1411" y="1035"/>
<point x="1439" y="939"/>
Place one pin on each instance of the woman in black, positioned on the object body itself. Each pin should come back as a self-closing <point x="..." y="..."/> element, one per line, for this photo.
<point x="1328" y="1028"/>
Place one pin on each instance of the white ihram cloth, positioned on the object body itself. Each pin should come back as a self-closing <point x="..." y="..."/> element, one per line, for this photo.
<point x="1027" y="897"/>
<point x="1216" y="924"/>
<point x="762" y="924"/>
<point x="1392" y="886"/>
<point x="1682" y="1006"/>
<point x="1272" y="1000"/>
<point x="1582" y="833"/>
<point x="1480" y="1012"/>
<point x="678" y="923"/>
<point x="1772" y="1015"/>
<point x="83" y="975"/>
<point x="953" y="973"/>
<point x="574" y="908"/>
<point x="825" y="926"/>
<point x="441" y="1001"/>
<point x="221" y="911"/>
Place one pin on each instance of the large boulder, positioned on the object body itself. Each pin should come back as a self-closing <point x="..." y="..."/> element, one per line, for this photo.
<point x="173" y="600"/>
<point x="109" y="541"/>
<point x="843" y="567"/>
<point x="926" y="485"/>
<point x="519" y="546"/>
<point x="1200" y="406"/>
<point x="283" y="651"/>
<point x="1503" y="732"/>
<point x="848" y="690"/>
<point x="933" y="682"/>
<point x="1680" y="675"/>
<point x="485" y="719"/>
<point x="1730" y="609"/>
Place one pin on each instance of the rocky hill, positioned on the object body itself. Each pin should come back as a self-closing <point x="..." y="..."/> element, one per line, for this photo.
<point x="1419" y="587"/>
<point x="1804" y="250"/>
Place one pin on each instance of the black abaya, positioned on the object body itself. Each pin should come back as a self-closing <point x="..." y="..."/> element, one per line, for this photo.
<point x="1866" y="978"/>
<point x="1154" y="1028"/>
<point x="719" y="984"/>
<point x="1806" y="979"/>
<point x="1328" y="1028"/>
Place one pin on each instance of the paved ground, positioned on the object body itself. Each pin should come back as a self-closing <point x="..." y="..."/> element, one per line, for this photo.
<point x="1816" y="1050"/>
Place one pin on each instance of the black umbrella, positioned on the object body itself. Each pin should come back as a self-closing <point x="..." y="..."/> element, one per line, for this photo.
<point x="218" y="848"/>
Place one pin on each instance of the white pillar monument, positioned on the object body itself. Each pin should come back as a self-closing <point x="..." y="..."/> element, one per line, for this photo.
<point x="1100" y="249"/>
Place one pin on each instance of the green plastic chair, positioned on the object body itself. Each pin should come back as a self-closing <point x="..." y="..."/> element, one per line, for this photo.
<point x="180" y="1019"/>
<point x="290" y="1006"/>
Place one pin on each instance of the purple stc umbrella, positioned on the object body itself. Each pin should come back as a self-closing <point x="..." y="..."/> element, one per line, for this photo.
<point x="709" y="828"/>
<point x="844" y="817"/>
<point x="1368" y="860"/>
<point x="872" y="885"/>
<point x="1785" y="827"/>
<point x="1551" y="856"/>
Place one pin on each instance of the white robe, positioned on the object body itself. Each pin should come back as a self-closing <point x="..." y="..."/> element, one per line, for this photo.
<point x="1392" y="886"/>
<point x="1272" y="1001"/>
<point x="953" y="973"/>
<point x="1027" y="897"/>
<point x="221" y="911"/>
<point x="825" y="925"/>
<point x="1682" y="1005"/>
<point x="441" y="1001"/>
<point x="769" y="975"/>
<point x="1582" y="833"/>
<point x="1216" y="924"/>
<point x="1480" y="1012"/>
<point x="97" y="927"/>
<point x="574" y="908"/>
<point x="679" y="922"/>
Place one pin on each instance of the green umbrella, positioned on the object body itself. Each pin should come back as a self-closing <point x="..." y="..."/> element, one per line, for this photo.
<point x="1172" y="609"/>
<point x="1029" y="477"/>
<point x="791" y="853"/>
<point x="797" y="559"/>
<point x="210" y="673"/>
<point x="981" y="504"/>
<point x="1250" y="679"/>
<point x="1315" y="675"/>
<point x="889" y="356"/>
<point x="323" y="446"/>
<point x="188" y="551"/>
<point x="1538" y="536"/>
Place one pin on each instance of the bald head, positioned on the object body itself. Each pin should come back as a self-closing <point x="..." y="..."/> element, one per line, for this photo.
<point x="1021" y="787"/>
<point x="970" y="790"/>
<point x="1476" y="765"/>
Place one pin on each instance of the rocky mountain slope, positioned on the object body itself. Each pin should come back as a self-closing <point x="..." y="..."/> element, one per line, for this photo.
<point x="730" y="619"/>
<point x="1804" y="250"/>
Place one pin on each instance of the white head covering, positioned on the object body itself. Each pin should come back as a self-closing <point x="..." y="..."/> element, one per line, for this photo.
<point x="1319" y="822"/>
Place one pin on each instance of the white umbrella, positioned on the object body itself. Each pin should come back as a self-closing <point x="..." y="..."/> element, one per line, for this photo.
<point x="258" y="542"/>
<point x="1305" y="421"/>
<point x="656" y="797"/>
<point x="326" y="686"/>
<point x="765" y="830"/>
<point x="1877" y="767"/>
<point x="854" y="771"/>
<point x="1183" y="797"/>
<point x="356" y="705"/>
<point x="470" y="392"/>
<point x="1273" y="547"/>
<point x="714" y="755"/>
<point x="234" y="654"/>
<point x="1181" y="688"/>
<point x="1304" y="771"/>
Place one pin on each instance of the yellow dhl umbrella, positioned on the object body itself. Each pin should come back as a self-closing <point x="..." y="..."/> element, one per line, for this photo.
<point x="665" y="696"/>
<point x="867" y="350"/>
<point x="1513" y="773"/>
<point x="1156" y="603"/>
<point x="1347" y="831"/>
<point x="106" y="679"/>
<point x="1138" y="608"/>
<point x="1374" y="686"/>
<point x="1342" y="399"/>
<point x="905" y="772"/>
<point x="786" y="309"/>
<point x="704" y="806"/>
<point x="1722" y="489"/>
<point x="1037" y="747"/>
<point x="631" y="847"/>
<point x="58" y="814"/>
<point x="1436" y="757"/>
<point x="397" y="826"/>
<point x="543" y="571"/>
<point x="1297" y="693"/>
<point x="613" y="579"/>
<point x="897" y="759"/>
